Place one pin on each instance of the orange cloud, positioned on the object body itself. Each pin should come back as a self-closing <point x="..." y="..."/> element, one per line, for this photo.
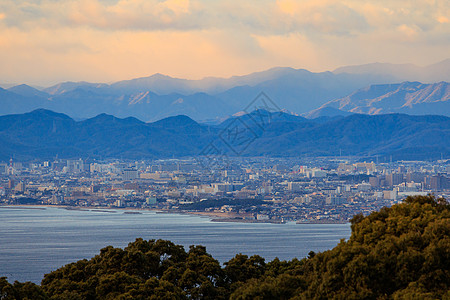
<point x="288" y="6"/>
<point x="48" y="41"/>
<point x="443" y="20"/>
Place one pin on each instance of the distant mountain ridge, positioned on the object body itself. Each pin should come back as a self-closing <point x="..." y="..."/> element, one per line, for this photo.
<point x="402" y="72"/>
<point x="28" y="91"/>
<point x="408" y="97"/>
<point x="158" y="96"/>
<point x="45" y="134"/>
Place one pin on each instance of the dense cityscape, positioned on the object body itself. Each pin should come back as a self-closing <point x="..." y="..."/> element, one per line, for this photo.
<point x="316" y="190"/>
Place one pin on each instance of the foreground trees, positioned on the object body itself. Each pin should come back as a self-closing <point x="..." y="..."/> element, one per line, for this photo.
<point x="402" y="252"/>
<point x="396" y="253"/>
<point x="18" y="290"/>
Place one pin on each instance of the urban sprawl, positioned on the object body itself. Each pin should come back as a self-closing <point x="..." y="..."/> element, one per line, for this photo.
<point x="315" y="190"/>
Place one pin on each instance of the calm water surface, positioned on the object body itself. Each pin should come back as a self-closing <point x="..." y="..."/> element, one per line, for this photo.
<point x="36" y="241"/>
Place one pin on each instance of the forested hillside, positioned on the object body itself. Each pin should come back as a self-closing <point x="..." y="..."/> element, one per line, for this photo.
<point x="402" y="252"/>
<point x="45" y="134"/>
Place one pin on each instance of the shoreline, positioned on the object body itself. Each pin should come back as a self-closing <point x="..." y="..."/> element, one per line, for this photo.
<point x="213" y="216"/>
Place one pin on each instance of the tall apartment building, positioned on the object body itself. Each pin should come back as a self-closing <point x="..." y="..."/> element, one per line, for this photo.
<point x="129" y="174"/>
<point x="394" y="179"/>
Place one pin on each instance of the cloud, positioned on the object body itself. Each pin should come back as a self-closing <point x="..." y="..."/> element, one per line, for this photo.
<point x="124" y="14"/>
<point x="150" y="15"/>
<point x="311" y="17"/>
<point x="104" y="40"/>
<point x="293" y="49"/>
<point x="443" y="20"/>
<point x="408" y="32"/>
<point x="133" y="15"/>
<point x="43" y="57"/>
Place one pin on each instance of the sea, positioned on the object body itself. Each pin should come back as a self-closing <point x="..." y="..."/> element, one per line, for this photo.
<point x="37" y="240"/>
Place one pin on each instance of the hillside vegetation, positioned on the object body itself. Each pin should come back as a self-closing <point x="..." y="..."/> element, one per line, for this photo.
<point x="401" y="252"/>
<point x="45" y="134"/>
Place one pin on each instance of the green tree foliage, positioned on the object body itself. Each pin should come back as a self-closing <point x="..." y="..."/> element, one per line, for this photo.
<point x="399" y="252"/>
<point x="143" y="270"/>
<point x="402" y="252"/>
<point x="20" y="291"/>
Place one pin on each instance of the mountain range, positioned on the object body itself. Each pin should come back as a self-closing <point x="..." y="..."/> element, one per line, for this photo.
<point x="402" y="72"/>
<point x="413" y="98"/>
<point x="295" y="90"/>
<point x="46" y="134"/>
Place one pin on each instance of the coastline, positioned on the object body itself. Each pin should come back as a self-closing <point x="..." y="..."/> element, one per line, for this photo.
<point x="213" y="216"/>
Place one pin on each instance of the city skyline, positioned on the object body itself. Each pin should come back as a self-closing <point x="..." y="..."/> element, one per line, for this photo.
<point x="276" y="149"/>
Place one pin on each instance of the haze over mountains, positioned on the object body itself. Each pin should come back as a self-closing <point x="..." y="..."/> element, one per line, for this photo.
<point x="46" y="134"/>
<point x="413" y="98"/>
<point x="402" y="72"/>
<point x="373" y="89"/>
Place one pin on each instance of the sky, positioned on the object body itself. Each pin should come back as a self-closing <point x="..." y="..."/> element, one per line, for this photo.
<point x="43" y="42"/>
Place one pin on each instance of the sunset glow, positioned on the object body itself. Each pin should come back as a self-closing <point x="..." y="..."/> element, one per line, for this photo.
<point x="44" y="42"/>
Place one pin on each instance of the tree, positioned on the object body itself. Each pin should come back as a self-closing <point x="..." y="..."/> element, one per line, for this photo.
<point x="20" y="291"/>
<point x="396" y="253"/>
<point x="399" y="252"/>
